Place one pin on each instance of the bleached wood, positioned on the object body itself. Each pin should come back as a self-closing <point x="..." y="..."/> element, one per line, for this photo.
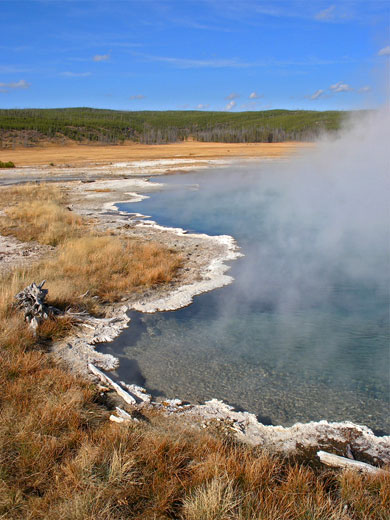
<point x="31" y="300"/>
<point x="116" y="419"/>
<point x="342" y="462"/>
<point x="123" y="414"/>
<point x="105" y="379"/>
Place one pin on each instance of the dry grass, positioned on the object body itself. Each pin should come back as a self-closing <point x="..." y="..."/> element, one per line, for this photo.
<point x="108" y="267"/>
<point x="104" y="266"/>
<point x="46" y="192"/>
<point x="62" y="459"/>
<point x="87" y="272"/>
<point x="37" y="212"/>
<point x="91" y="154"/>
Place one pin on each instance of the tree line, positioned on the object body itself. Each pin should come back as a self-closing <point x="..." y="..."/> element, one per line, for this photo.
<point x="158" y="127"/>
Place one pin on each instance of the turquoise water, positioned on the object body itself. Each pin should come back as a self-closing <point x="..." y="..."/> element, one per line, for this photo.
<point x="303" y="331"/>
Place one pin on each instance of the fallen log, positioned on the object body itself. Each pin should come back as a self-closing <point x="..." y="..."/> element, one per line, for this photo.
<point x="342" y="462"/>
<point x="105" y="379"/>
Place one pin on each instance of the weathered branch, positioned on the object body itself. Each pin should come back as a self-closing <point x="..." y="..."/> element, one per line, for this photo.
<point x="105" y="379"/>
<point x="341" y="462"/>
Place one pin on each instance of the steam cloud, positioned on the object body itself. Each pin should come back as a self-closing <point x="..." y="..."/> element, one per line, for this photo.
<point x="327" y="212"/>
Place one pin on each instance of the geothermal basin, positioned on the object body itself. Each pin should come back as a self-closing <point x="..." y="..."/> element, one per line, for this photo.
<point x="302" y="333"/>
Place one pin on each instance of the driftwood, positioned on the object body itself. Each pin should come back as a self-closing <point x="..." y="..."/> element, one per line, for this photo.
<point x="32" y="302"/>
<point x="116" y="419"/>
<point x="122" y="416"/>
<point x="105" y="379"/>
<point x="341" y="462"/>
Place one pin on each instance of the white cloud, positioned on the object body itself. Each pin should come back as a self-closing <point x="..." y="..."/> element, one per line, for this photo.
<point x="230" y="105"/>
<point x="101" y="57"/>
<point x="326" y="14"/>
<point x="318" y="93"/>
<point x="188" y="63"/>
<point x="68" y="74"/>
<point x="5" y="87"/>
<point x="365" y="89"/>
<point x="202" y="106"/>
<point x="340" y="87"/>
<point x="385" y="51"/>
<point x="255" y="95"/>
<point x="137" y="96"/>
<point x="233" y="95"/>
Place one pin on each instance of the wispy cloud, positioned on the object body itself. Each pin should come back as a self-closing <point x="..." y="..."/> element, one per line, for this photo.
<point x="336" y="88"/>
<point x="317" y="94"/>
<point x="365" y="89"/>
<point x="189" y="63"/>
<point x="230" y="105"/>
<point x="11" y="69"/>
<point x="340" y="87"/>
<point x="201" y="106"/>
<point x="137" y="96"/>
<point x="385" y="51"/>
<point x="326" y="14"/>
<point x="101" y="57"/>
<point x="232" y="95"/>
<point x="21" y="84"/>
<point x="69" y="74"/>
<point x="255" y="95"/>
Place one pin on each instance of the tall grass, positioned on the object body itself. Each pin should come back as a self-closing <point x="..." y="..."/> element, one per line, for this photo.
<point x="37" y="212"/>
<point x="103" y="266"/>
<point x="48" y="224"/>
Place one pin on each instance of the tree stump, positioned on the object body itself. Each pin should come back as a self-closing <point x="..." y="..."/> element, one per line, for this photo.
<point x="32" y="302"/>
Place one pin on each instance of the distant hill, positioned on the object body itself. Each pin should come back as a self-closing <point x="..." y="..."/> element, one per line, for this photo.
<point x="31" y="126"/>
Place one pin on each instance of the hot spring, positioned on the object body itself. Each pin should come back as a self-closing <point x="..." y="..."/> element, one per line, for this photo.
<point x="302" y="333"/>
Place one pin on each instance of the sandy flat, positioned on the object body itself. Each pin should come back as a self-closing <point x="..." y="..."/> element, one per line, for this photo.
<point x="87" y="154"/>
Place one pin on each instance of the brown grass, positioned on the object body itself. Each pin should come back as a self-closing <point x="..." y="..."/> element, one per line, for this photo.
<point x="37" y="212"/>
<point x="104" y="266"/>
<point x="46" y="192"/>
<point x="62" y="459"/>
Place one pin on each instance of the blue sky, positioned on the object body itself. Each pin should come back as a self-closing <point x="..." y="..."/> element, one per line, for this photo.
<point x="205" y="54"/>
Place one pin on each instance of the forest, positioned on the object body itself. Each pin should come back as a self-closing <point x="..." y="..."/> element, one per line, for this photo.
<point x="30" y="126"/>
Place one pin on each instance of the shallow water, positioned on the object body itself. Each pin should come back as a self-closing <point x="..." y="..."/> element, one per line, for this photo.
<point x="302" y="333"/>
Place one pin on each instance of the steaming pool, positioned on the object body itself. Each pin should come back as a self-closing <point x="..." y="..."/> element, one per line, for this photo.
<point x="303" y="331"/>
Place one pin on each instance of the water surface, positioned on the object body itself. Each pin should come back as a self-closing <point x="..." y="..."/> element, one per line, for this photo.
<point x="303" y="332"/>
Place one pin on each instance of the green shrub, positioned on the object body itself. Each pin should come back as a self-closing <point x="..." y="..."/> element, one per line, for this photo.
<point x="8" y="164"/>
